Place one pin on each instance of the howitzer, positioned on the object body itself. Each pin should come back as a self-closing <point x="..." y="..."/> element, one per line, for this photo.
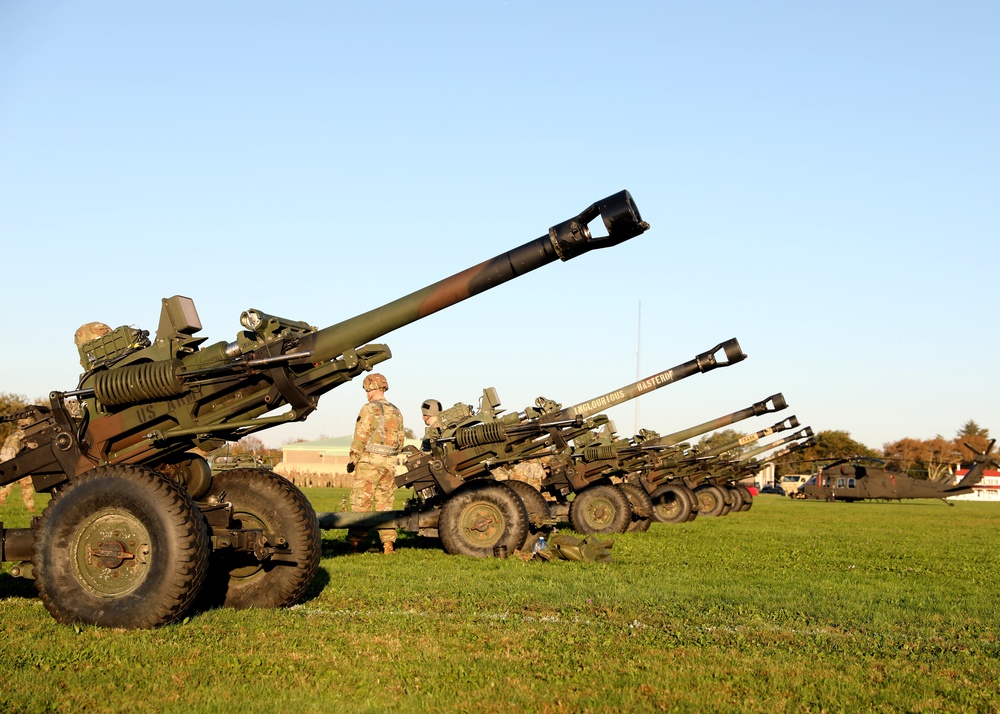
<point x="710" y="466"/>
<point x="748" y="465"/>
<point x="600" y="453"/>
<point x="654" y="463"/>
<point x="647" y="453"/>
<point x="470" y="444"/>
<point x="604" y="460"/>
<point x="686" y="465"/>
<point x="805" y="432"/>
<point x="774" y="403"/>
<point x="790" y="423"/>
<point x="715" y="483"/>
<point x="718" y="470"/>
<point x="127" y="478"/>
<point x="458" y="495"/>
<point x="480" y="445"/>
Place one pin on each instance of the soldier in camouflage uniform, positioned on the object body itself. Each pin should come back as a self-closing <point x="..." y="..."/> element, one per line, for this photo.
<point x="378" y="439"/>
<point x="429" y="410"/>
<point x="84" y="334"/>
<point x="90" y="331"/>
<point x="12" y="446"/>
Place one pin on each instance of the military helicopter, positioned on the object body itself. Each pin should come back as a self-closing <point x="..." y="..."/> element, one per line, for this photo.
<point x="844" y="481"/>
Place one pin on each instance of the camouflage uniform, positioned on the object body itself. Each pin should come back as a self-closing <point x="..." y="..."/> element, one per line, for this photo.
<point x="378" y="439"/>
<point x="89" y="331"/>
<point x="11" y="447"/>
<point x="429" y="410"/>
<point x="84" y="334"/>
<point x="531" y="471"/>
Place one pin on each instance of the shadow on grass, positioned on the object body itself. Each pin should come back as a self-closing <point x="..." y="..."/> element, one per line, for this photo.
<point x="320" y="582"/>
<point x="11" y="587"/>
<point x="335" y="543"/>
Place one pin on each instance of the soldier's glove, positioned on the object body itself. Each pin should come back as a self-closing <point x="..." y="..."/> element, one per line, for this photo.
<point x="350" y="467"/>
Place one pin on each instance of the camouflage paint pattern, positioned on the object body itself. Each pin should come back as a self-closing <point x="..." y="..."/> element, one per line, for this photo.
<point x="374" y="484"/>
<point x="379" y="426"/>
<point x="149" y="401"/>
<point x="11" y="446"/>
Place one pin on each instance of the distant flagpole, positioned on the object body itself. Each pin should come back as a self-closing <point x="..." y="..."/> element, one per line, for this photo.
<point x="638" y="352"/>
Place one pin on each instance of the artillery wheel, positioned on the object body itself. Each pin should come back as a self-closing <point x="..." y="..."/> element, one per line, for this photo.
<point x="642" y="508"/>
<point x="735" y="498"/>
<point x="711" y="501"/>
<point x="120" y="547"/>
<point x="603" y="508"/>
<point x="534" y="502"/>
<point x="263" y="499"/>
<point x="481" y="515"/>
<point x="692" y="498"/>
<point x="747" y="497"/>
<point x="673" y="504"/>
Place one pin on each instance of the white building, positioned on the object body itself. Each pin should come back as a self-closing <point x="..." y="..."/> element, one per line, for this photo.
<point x="986" y="490"/>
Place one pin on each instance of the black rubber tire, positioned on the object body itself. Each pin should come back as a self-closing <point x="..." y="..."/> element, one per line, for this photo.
<point x="727" y="500"/>
<point x="693" y="499"/>
<point x="481" y="515"/>
<point x="673" y="504"/>
<point x="642" y="508"/>
<point x="711" y="501"/>
<point x="602" y="508"/>
<point x="747" y="497"/>
<point x="535" y="504"/>
<point x="735" y="497"/>
<point x="154" y="547"/>
<point x="263" y="499"/>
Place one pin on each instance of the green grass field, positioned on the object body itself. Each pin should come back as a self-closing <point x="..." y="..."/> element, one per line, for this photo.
<point x="792" y="606"/>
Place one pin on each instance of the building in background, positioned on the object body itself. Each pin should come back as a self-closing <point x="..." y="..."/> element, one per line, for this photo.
<point x="986" y="490"/>
<point x="322" y="462"/>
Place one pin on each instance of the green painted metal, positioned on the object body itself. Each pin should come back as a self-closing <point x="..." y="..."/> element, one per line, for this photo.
<point x="469" y="444"/>
<point x="148" y="401"/>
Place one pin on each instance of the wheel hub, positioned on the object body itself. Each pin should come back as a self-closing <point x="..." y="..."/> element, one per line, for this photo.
<point x="599" y="513"/>
<point x="111" y="553"/>
<point x="482" y="524"/>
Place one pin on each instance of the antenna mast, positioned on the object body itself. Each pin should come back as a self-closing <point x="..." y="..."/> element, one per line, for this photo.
<point x="638" y="352"/>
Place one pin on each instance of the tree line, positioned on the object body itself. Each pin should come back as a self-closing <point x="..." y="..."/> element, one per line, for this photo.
<point x="919" y="458"/>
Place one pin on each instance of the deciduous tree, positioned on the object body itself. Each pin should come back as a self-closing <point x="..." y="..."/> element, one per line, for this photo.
<point x="10" y="403"/>
<point x="721" y="438"/>
<point x="971" y="434"/>
<point x="928" y="458"/>
<point x="829" y="446"/>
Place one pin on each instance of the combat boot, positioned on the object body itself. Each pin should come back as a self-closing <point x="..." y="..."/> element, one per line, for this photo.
<point x="387" y="548"/>
<point x="354" y="543"/>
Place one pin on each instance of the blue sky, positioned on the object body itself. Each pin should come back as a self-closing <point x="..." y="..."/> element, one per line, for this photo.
<point x="821" y="183"/>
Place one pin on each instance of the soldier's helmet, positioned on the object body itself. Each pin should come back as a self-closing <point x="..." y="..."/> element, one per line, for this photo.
<point x="375" y="381"/>
<point x="430" y="407"/>
<point x="90" y="331"/>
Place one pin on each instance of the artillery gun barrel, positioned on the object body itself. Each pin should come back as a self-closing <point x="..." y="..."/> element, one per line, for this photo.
<point x="802" y="433"/>
<point x="705" y="362"/>
<point x="564" y="241"/>
<point x="789" y="423"/>
<point x="718" y="471"/>
<point x="777" y="403"/>
<point x="748" y="465"/>
<point x="790" y="449"/>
